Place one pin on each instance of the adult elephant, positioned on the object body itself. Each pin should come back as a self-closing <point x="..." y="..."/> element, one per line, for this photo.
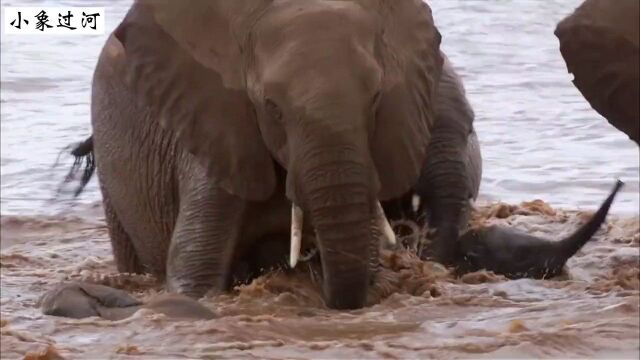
<point x="451" y="173"/>
<point x="599" y="43"/>
<point x="211" y="119"/>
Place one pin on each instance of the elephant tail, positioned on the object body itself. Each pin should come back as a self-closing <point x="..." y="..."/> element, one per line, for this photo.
<point x="574" y="242"/>
<point x="82" y="152"/>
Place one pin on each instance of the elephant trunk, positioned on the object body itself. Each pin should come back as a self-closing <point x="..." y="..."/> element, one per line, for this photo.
<point x="344" y="238"/>
<point x="338" y="197"/>
<point x="444" y="185"/>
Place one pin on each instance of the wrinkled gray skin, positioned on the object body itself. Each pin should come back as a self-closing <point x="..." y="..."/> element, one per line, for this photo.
<point x="451" y="174"/>
<point x="81" y="300"/>
<point x="205" y="130"/>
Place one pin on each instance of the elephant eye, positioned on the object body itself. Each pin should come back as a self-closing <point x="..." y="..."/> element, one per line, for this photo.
<point x="273" y="110"/>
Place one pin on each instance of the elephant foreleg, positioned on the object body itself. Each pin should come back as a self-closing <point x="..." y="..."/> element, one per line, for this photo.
<point x="451" y="174"/>
<point x="124" y="253"/>
<point x="448" y="184"/>
<point x="204" y="239"/>
<point x="444" y="191"/>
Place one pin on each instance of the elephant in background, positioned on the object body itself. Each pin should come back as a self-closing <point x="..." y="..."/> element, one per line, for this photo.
<point x="599" y="43"/>
<point x="450" y="177"/>
<point x="222" y="125"/>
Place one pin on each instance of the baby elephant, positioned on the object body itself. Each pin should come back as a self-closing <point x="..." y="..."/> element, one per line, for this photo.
<point x="82" y="300"/>
<point x="515" y="254"/>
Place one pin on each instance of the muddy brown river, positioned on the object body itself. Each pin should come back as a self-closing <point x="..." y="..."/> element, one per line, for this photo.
<point x="540" y="140"/>
<point x="418" y="309"/>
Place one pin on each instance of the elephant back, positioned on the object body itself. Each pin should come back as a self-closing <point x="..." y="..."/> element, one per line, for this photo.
<point x="599" y="43"/>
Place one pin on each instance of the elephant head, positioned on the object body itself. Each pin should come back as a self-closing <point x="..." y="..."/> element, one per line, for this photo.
<point x="338" y="93"/>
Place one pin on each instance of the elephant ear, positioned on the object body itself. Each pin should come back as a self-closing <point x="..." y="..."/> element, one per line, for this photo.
<point x="409" y="50"/>
<point x="209" y="117"/>
<point x="599" y="43"/>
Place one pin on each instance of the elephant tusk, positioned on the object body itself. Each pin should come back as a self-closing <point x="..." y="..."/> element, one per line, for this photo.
<point x="383" y="224"/>
<point x="416" y="201"/>
<point x="296" y="234"/>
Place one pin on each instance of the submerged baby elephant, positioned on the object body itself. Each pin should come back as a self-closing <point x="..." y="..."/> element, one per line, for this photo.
<point x="515" y="254"/>
<point x="82" y="300"/>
